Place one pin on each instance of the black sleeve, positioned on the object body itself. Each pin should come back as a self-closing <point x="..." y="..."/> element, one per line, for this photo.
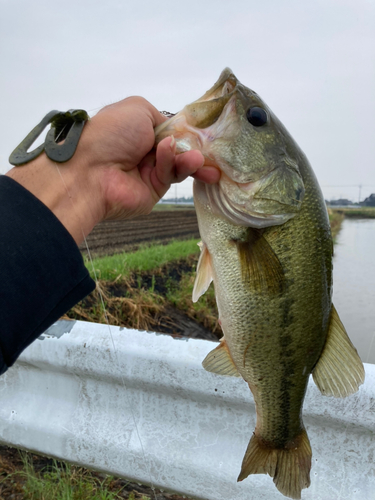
<point x="42" y="274"/>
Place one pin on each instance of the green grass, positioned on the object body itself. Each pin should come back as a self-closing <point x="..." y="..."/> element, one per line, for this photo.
<point x="145" y="259"/>
<point x="335" y="219"/>
<point x="63" y="481"/>
<point x="360" y="213"/>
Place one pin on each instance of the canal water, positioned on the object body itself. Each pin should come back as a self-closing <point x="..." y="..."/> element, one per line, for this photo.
<point x="354" y="283"/>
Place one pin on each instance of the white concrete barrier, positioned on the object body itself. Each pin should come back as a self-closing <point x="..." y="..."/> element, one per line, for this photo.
<point x="149" y="412"/>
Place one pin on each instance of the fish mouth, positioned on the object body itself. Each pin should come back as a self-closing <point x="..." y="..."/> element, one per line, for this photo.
<point x="191" y="127"/>
<point x="205" y="120"/>
<point x="237" y="197"/>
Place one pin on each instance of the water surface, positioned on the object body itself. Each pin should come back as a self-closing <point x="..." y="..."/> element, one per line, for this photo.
<point x="354" y="283"/>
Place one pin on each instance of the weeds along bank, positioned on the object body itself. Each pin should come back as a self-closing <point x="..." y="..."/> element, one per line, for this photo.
<point x="357" y="213"/>
<point x="335" y="219"/>
<point x="151" y="290"/>
<point x="337" y="215"/>
<point x="26" y="476"/>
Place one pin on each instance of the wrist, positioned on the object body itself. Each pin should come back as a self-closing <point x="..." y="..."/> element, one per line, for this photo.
<point x="64" y="190"/>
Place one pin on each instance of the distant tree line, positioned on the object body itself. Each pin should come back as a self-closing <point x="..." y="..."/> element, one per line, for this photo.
<point x="343" y="202"/>
<point x="370" y="201"/>
<point x="178" y="200"/>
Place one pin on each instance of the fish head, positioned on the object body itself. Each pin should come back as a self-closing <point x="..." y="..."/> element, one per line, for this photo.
<point x="261" y="184"/>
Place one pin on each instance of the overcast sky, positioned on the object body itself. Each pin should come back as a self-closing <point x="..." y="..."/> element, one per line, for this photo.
<point x="312" y="62"/>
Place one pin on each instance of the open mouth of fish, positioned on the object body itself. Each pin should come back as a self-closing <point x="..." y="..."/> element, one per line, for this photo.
<point x="210" y="124"/>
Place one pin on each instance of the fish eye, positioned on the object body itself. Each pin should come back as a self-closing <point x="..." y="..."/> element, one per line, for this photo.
<point x="257" y="116"/>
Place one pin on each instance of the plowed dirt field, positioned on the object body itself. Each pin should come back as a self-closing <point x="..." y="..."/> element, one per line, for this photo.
<point x="162" y="226"/>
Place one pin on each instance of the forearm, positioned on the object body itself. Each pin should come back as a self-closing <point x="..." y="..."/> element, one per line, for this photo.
<point x="42" y="273"/>
<point x="63" y="190"/>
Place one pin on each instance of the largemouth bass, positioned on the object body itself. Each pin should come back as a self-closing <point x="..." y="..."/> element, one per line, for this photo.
<point x="267" y="246"/>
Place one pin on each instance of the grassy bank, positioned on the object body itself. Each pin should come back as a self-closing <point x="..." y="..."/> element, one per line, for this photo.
<point x="337" y="215"/>
<point x="25" y="476"/>
<point x="145" y="259"/>
<point x="335" y="219"/>
<point x="357" y="213"/>
<point x="156" y="299"/>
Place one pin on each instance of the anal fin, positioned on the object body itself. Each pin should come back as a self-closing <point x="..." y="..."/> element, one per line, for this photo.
<point x="339" y="371"/>
<point x="220" y="361"/>
<point x="289" y="466"/>
<point x="204" y="272"/>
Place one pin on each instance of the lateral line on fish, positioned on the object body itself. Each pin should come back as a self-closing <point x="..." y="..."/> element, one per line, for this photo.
<point x="110" y="332"/>
<point x="244" y="354"/>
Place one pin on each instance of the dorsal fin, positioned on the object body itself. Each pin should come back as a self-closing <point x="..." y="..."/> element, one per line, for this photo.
<point x="339" y="371"/>
<point x="260" y="265"/>
<point x="220" y="361"/>
<point x="204" y="272"/>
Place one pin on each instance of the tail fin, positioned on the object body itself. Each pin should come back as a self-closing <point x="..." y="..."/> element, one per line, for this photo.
<point x="289" y="466"/>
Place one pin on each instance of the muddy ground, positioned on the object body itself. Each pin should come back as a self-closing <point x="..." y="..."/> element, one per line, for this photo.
<point x="144" y="301"/>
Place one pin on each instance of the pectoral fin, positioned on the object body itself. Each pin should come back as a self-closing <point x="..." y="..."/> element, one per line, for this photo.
<point x="339" y="371"/>
<point x="260" y="265"/>
<point x="204" y="272"/>
<point x="220" y="361"/>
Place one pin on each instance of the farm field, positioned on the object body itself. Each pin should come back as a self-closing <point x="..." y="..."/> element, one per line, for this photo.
<point x="111" y="237"/>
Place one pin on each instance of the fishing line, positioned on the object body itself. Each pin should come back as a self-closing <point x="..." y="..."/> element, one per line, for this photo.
<point x="94" y="109"/>
<point x="152" y="486"/>
<point x="369" y="351"/>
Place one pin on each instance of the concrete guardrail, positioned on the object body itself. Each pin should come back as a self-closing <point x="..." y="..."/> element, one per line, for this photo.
<point x="149" y="412"/>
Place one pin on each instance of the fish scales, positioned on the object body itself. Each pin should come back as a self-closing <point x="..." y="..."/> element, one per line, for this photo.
<point x="266" y="245"/>
<point x="276" y="331"/>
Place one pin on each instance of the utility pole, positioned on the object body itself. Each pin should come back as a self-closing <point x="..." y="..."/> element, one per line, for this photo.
<point x="359" y="196"/>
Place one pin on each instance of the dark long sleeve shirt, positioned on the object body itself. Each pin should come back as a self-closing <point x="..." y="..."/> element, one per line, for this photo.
<point x="42" y="274"/>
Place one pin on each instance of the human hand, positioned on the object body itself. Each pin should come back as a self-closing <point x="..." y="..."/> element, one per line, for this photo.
<point x="115" y="173"/>
<point x="133" y="175"/>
